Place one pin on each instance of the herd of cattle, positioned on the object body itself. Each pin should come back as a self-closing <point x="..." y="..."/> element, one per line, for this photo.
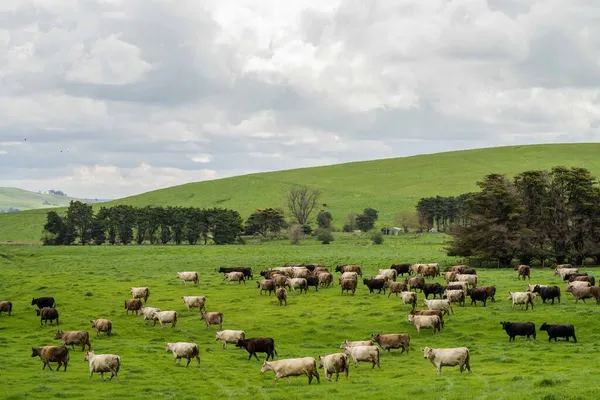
<point x="461" y="282"/>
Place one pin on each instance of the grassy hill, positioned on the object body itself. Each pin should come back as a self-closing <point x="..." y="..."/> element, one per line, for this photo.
<point x="389" y="185"/>
<point x="25" y="200"/>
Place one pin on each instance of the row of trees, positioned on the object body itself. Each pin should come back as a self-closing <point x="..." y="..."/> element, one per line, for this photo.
<point x="442" y="212"/>
<point x="538" y="215"/>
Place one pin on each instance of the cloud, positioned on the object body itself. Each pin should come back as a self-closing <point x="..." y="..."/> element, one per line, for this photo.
<point x="107" y="98"/>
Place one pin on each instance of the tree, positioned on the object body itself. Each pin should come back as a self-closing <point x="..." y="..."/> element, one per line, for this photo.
<point x="80" y="217"/>
<point x="324" y="236"/>
<point x="301" y="201"/>
<point x="366" y="221"/>
<point x="406" y="220"/>
<point x="227" y="226"/>
<point x="350" y="224"/>
<point x="377" y="237"/>
<point x="264" y="221"/>
<point x="54" y="232"/>
<point x="296" y="234"/>
<point x="324" y="219"/>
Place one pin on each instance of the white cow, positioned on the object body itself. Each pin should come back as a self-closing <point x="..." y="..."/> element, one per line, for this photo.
<point x="439" y="304"/>
<point x="148" y="312"/>
<point x="409" y="298"/>
<point x="235" y="277"/>
<point x="183" y="350"/>
<point x="194" y="301"/>
<point x="188" y="276"/>
<point x="363" y="353"/>
<point x="521" y="298"/>
<point x="165" y="317"/>
<point x="103" y="363"/>
<point x="349" y="275"/>
<point x="292" y="367"/>
<point x="140" y="293"/>
<point x="229" y="336"/>
<point x="345" y="344"/>
<point x="391" y="274"/>
<point x="334" y="364"/>
<point x="425" y="322"/>
<point x="469" y="278"/>
<point x="449" y="357"/>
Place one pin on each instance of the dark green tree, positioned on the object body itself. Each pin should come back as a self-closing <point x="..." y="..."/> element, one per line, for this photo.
<point x="79" y="217"/>
<point x="265" y="221"/>
<point x="324" y="219"/>
<point x="366" y="221"/>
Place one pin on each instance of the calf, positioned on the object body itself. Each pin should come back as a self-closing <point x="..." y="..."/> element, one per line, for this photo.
<point x="6" y="306"/>
<point x="432" y="288"/>
<point x="213" y="318"/>
<point x="258" y="345"/>
<point x="229" y="336"/>
<point x="425" y="322"/>
<point x="195" y="301"/>
<point x="281" y="294"/>
<point x="549" y="292"/>
<point x="48" y="354"/>
<point x="267" y="285"/>
<point x="133" y="305"/>
<point x="103" y="363"/>
<point x="430" y="312"/>
<point x="292" y="367"/>
<point x="448" y="358"/>
<point x="363" y="353"/>
<point x="43" y="302"/>
<point x="392" y="341"/>
<point x="47" y="314"/>
<point x="348" y="285"/>
<point x="523" y="271"/>
<point x="556" y="331"/>
<point x="72" y="338"/>
<point x="148" y="313"/>
<point x="188" y="276"/>
<point x="521" y="298"/>
<point x="514" y="329"/>
<point x="334" y="364"/>
<point x="140" y="293"/>
<point x="183" y="350"/>
<point x="102" y="325"/>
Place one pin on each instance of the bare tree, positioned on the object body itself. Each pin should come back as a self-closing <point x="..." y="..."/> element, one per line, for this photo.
<point x="407" y="220"/>
<point x="301" y="202"/>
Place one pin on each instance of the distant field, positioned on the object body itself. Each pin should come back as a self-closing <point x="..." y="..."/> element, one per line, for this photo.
<point x="310" y="325"/>
<point x="25" y="200"/>
<point x="390" y="185"/>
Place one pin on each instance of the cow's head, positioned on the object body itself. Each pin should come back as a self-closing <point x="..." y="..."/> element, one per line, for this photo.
<point x="266" y="367"/>
<point x="88" y="355"/>
<point x="427" y="352"/>
<point x="320" y="361"/>
<point x="35" y="351"/>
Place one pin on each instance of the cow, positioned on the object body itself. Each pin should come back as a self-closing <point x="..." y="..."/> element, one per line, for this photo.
<point x="565" y="271"/>
<point x="514" y="329"/>
<point x="578" y="284"/>
<point x="292" y="367"/>
<point x="48" y="354"/>
<point x="469" y="278"/>
<point x="247" y="271"/>
<point x="416" y="282"/>
<point x="409" y="298"/>
<point x="363" y="353"/>
<point x="102" y="325"/>
<point x="47" y="314"/>
<point x="140" y="293"/>
<point x="567" y="277"/>
<point x="430" y="312"/>
<point x="133" y="305"/>
<point x="450" y="276"/>
<point x="455" y="296"/>
<point x="457" y="268"/>
<point x="583" y="278"/>
<point x="229" y="336"/>
<point x="349" y="275"/>
<point x="165" y="317"/>
<point x="185" y="350"/>
<point x="6" y="306"/>
<point x="448" y="357"/>
<point x="267" y="285"/>
<point x="429" y="270"/>
<point x="258" y="345"/>
<point x="457" y="286"/>
<point x="521" y="298"/>
<point x="187" y="276"/>
<point x="401" y="269"/>
<point x="72" y="338"/>
<point x="334" y="364"/>
<point x="550" y="292"/>
<point x="523" y="271"/>
<point x="425" y="322"/>
<point x="556" y="331"/>
<point x="478" y="294"/>
<point x="582" y="293"/>
<point x="436" y="304"/>
<point x="298" y="283"/>
<point x="348" y="285"/>
<point x="103" y="363"/>
<point x="195" y="301"/>
<point x="395" y="287"/>
<point x="281" y="294"/>
<point x="349" y="268"/>
<point x="300" y="272"/>
<point x="235" y="276"/>
<point x="375" y="284"/>
<point x="389" y="273"/>
<point x="392" y="341"/>
<point x="432" y="288"/>
<point x="148" y="313"/>
<point x="43" y="302"/>
<point x="325" y="279"/>
<point x="281" y="281"/>
<point x="491" y="291"/>
<point x="212" y="318"/>
<point x="354" y="343"/>
<point x="530" y="287"/>
<point x="312" y="280"/>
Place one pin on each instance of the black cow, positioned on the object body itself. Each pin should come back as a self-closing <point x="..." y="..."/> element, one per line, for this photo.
<point x="433" y="288"/>
<point x="247" y="271"/>
<point x="374" y="284"/>
<point x="478" y="294"/>
<point x="258" y="345"/>
<point x="556" y="331"/>
<point x="469" y="271"/>
<point x="518" y="329"/>
<point x="549" y="292"/>
<point x="42" y="302"/>
<point x="401" y="269"/>
<point x="569" y="276"/>
<point x="312" y="280"/>
<point x="47" y="314"/>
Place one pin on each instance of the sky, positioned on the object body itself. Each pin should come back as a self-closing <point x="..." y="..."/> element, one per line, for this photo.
<point x="109" y="98"/>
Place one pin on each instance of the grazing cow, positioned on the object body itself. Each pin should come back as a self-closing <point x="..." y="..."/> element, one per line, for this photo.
<point x="455" y="296"/>
<point x="292" y="367"/>
<point x="478" y="294"/>
<point x="390" y="273"/>
<point x="347" y="343"/>
<point x="165" y="317"/>
<point x="392" y="341"/>
<point x="185" y="350"/>
<point x="298" y="283"/>
<point x="432" y="288"/>
<point x="235" y="277"/>
<point x="267" y="285"/>
<point x="72" y="338"/>
<point x="148" y="313"/>
<point x="425" y="322"/>
<point x="280" y="281"/>
<point x="556" y="331"/>
<point x="401" y="269"/>
<point x="6" y="306"/>
<point x="582" y="293"/>
<point x="395" y="287"/>
<point x="47" y="314"/>
<point x="213" y="318"/>
<point x="348" y="285"/>
<point x="102" y="325"/>
<point x="416" y="282"/>
<point x="524" y="271"/>
<point x="43" y="302"/>
<point x="409" y="298"/>
<point x="437" y="304"/>
<point x="133" y="305"/>
<point x="375" y="284"/>
<point x="103" y="363"/>
<point x="521" y="298"/>
<point x="247" y="271"/>
<point x="48" y="354"/>
<point x="450" y="357"/>
<point x="195" y="301"/>
<point x="349" y="275"/>
<point x="450" y="276"/>
<point x="583" y="278"/>
<point x="281" y="294"/>
<point x="187" y="276"/>
<point x="258" y="345"/>
<point x="514" y="329"/>
<point x="349" y="268"/>
<point x="140" y="293"/>
<point x="469" y="278"/>
<point x="229" y="336"/>
<point x="430" y="312"/>
<point x="550" y="292"/>
<point x="325" y="279"/>
<point x="334" y="364"/>
<point x="363" y="353"/>
<point x="312" y="280"/>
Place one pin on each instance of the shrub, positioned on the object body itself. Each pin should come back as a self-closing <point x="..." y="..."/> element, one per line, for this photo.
<point x="325" y="236"/>
<point x="306" y="229"/>
<point x="296" y="234"/>
<point x="377" y="237"/>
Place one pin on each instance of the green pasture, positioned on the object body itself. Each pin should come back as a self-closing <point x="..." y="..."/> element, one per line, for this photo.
<point x="92" y="282"/>
<point x="391" y="186"/>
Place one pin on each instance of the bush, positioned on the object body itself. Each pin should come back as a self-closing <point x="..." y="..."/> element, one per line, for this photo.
<point x="306" y="229"/>
<point x="296" y="234"/>
<point x="377" y="237"/>
<point x="325" y="236"/>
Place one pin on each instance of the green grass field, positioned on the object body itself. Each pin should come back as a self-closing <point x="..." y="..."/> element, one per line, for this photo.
<point x="310" y="325"/>
<point x="391" y="185"/>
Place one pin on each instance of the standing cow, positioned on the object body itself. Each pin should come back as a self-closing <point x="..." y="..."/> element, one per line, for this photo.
<point x="450" y="357"/>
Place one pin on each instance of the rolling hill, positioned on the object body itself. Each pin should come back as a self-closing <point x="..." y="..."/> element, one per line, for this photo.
<point x="25" y="200"/>
<point x="390" y="185"/>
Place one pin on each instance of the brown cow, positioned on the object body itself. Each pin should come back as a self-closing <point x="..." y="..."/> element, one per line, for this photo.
<point x="348" y="285"/>
<point x="392" y="341"/>
<point x="6" y="306"/>
<point x="133" y="305"/>
<point x="524" y="271"/>
<point x="47" y="314"/>
<point x="73" y="338"/>
<point x="416" y="282"/>
<point x="281" y="294"/>
<point x="213" y="318"/>
<point x="102" y="325"/>
<point x="349" y="268"/>
<point x="48" y="354"/>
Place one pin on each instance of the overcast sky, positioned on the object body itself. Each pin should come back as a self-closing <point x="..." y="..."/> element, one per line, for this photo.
<point x="108" y="98"/>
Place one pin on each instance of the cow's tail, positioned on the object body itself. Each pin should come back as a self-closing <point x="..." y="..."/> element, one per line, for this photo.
<point x="468" y="360"/>
<point x="346" y="364"/>
<point x="274" y="351"/>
